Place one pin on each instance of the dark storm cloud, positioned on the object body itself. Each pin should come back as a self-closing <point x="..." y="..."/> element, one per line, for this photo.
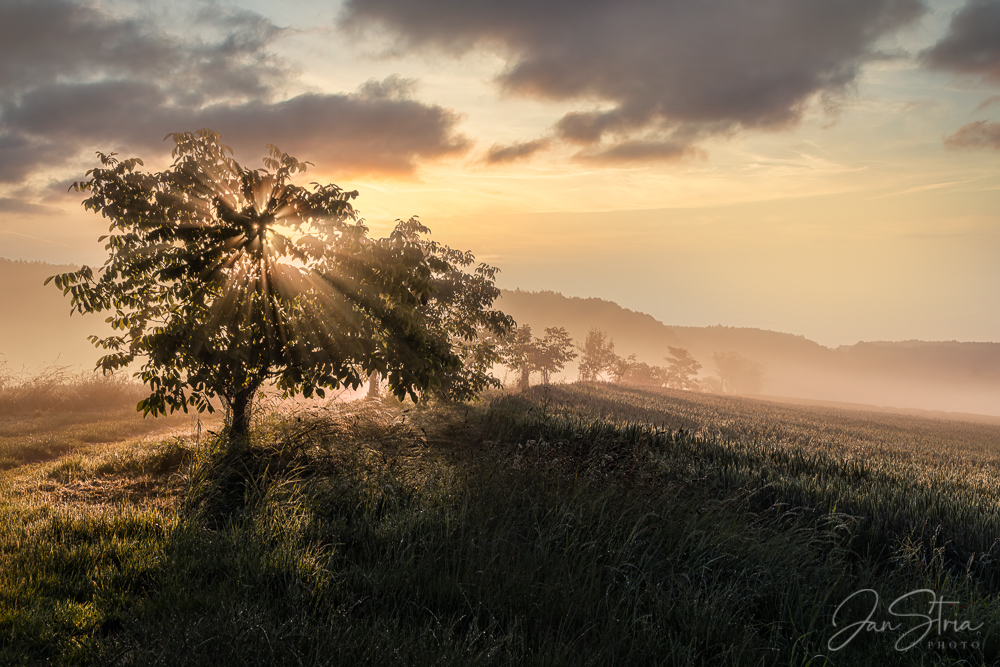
<point x="44" y="41"/>
<point x="518" y="151"/>
<point x="662" y="69"/>
<point x="41" y="40"/>
<point x="972" y="45"/>
<point x="979" y="134"/>
<point x="74" y="79"/>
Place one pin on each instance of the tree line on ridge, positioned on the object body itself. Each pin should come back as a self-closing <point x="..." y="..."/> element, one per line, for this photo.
<point x="525" y="354"/>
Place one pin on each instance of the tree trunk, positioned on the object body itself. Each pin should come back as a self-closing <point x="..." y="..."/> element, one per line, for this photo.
<point x="525" y="378"/>
<point x="239" y="406"/>
<point x="373" y="379"/>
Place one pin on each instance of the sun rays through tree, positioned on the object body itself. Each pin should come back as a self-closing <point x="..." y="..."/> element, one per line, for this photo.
<point x="220" y="279"/>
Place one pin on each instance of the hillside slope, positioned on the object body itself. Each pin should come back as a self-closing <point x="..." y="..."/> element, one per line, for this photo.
<point x="947" y="376"/>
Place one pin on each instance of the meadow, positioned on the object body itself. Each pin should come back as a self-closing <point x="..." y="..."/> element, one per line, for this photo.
<point x="54" y="412"/>
<point x="570" y="524"/>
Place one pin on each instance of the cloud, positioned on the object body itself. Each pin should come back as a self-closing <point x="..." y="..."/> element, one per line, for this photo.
<point x="979" y="134"/>
<point x="657" y="73"/>
<point x="972" y="45"/>
<point x="358" y="133"/>
<point x="23" y="207"/>
<point x="641" y="150"/>
<point x="74" y="79"/>
<point x="366" y="132"/>
<point x="45" y="41"/>
<point x="20" y="155"/>
<point x="499" y="154"/>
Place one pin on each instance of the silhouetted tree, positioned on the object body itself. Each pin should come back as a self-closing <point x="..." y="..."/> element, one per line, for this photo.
<point x="556" y="351"/>
<point x="639" y="373"/>
<point x="459" y="311"/>
<point x="223" y="278"/>
<point x="737" y="374"/>
<point x="526" y="354"/>
<point x="682" y="369"/>
<point x="597" y="356"/>
<point x="519" y="352"/>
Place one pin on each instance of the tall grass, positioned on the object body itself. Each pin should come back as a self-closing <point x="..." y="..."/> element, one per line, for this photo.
<point x="53" y="412"/>
<point x="535" y="530"/>
<point x="904" y="479"/>
<point x="57" y="389"/>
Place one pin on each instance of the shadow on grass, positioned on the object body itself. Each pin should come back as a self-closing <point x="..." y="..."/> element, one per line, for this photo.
<point x="342" y="539"/>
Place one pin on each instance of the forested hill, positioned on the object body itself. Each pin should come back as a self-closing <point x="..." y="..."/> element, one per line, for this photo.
<point x="947" y="376"/>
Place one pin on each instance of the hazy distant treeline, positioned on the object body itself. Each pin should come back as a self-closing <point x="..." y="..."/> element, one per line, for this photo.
<point x="526" y="354"/>
<point x="36" y="331"/>
<point x="945" y="376"/>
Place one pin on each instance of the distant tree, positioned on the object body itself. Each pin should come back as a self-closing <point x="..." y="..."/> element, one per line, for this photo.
<point x="223" y="278"/>
<point x="520" y="353"/>
<point x="712" y="385"/>
<point x="597" y="357"/>
<point x="556" y="351"/>
<point x="526" y="354"/>
<point x="682" y="369"/>
<point x="737" y="374"/>
<point x="619" y="367"/>
<point x="637" y="373"/>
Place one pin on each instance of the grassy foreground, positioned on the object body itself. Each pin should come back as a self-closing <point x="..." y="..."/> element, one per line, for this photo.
<point x="569" y="525"/>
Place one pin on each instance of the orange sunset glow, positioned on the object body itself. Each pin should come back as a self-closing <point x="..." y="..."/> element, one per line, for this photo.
<point x="828" y="170"/>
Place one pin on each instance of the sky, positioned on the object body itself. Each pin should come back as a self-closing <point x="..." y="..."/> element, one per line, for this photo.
<point x="827" y="168"/>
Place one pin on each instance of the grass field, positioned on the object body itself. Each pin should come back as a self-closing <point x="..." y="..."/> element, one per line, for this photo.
<point x="579" y="524"/>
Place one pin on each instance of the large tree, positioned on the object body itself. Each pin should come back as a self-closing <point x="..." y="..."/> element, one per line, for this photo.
<point x="222" y="278"/>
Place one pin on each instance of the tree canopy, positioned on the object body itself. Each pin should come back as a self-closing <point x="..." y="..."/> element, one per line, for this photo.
<point x="597" y="357"/>
<point x="527" y="354"/>
<point x="220" y="278"/>
<point x="737" y="374"/>
<point x="459" y="313"/>
<point x="682" y="369"/>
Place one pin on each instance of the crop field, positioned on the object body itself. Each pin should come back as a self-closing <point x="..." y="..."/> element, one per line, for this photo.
<point x="869" y="461"/>
<point x="899" y="478"/>
<point x="964" y="451"/>
<point x="52" y="413"/>
<point x="570" y="524"/>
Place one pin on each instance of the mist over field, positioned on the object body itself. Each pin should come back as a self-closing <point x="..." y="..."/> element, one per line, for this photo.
<point x="943" y="377"/>
<point x="36" y="329"/>
<point x="947" y="376"/>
